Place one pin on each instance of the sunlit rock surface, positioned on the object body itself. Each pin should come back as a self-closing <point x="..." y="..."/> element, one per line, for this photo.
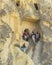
<point x="46" y="17"/>
<point x="9" y="26"/>
<point x="46" y="24"/>
<point x="43" y="50"/>
<point x="27" y="9"/>
<point x="18" y="15"/>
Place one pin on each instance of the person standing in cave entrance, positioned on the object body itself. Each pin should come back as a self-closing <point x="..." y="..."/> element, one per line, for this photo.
<point x="26" y="35"/>
<point x="33" y="36"/>
<point x="37" y="37"/>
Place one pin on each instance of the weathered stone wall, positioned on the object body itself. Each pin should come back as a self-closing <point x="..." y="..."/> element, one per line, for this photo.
<point x="10" y="32"/>
<point x="24" y="16"/>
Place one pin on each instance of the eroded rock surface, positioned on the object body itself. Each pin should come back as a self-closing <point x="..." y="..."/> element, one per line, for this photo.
<point x="9" y="54"/>
<point x="43" y="49"/>
<point x="13" y="16"/>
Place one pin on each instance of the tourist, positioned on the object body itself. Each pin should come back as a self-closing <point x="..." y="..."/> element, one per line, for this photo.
<point x="37" y="37"/>
<point x="33" y="37"/>
<point x="23" y="48"/>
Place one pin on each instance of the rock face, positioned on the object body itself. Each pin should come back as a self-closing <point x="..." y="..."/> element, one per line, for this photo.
<point x="46" y="24"/>
<point x="43" y="49"/>
<point x="18" y="15"/>
<point x="46" y="17"/>
<point x="9" y="53"/>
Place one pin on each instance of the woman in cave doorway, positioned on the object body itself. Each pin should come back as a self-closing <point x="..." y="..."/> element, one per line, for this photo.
<point x="26" y="34"/>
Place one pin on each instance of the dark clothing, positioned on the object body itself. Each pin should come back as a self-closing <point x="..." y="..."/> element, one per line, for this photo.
<point x="23" y="46"/>
<point x="37" y="37"/>
<point x="25" y="36"/>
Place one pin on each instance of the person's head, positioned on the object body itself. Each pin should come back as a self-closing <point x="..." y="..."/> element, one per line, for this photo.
<point x="5" y="35"/>
<point x="25" y="30"/>
<point x="32" y="32"/>
<point x="37" y="32"/>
